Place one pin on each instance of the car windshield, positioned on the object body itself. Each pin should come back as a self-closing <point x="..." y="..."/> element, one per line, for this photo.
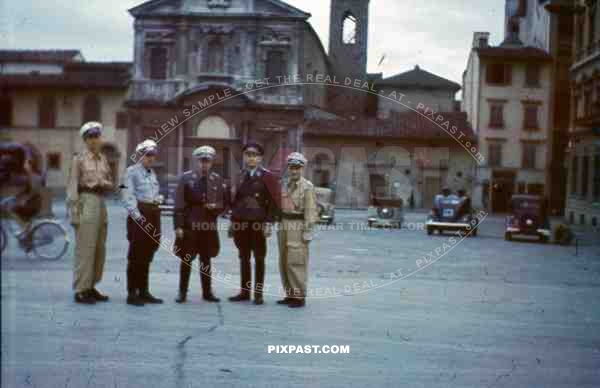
<point x="449" y="201"/>
<point x="526" y="205"/>
<point x="387" y="202"/>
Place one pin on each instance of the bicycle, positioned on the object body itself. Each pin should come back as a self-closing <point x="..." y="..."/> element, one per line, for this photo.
<point x="43" y="238"/>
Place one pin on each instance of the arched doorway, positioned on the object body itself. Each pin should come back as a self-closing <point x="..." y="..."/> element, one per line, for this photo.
<point x="215" y="131"/>
<point x="213" y="127"/>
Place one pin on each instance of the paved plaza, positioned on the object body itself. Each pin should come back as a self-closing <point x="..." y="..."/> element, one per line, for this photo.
<point x="415" y="310"/>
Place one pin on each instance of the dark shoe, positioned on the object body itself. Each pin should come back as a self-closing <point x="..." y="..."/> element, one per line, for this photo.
<point x="134" y="300"/>
<point x="296" y="302"/>
<point x="149" y="298"/>
<point x="98" y="296"/>
<point x="239" y="298"/>
<point x="84" y="297"/>
<point x="181" y="298"/>
<point x="211" y="298"/>
<point x="284" y="301"/>
<point x="258" y="301"/>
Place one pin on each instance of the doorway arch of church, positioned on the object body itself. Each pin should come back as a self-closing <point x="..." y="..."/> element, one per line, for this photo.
<point x="213" y="127"/>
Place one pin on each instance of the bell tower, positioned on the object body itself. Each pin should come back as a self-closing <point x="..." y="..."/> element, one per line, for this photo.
<point x="348" y="37"/>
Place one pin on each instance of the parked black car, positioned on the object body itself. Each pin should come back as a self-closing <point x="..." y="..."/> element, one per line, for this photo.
<point x="451" y="213"/>
<point x="385" y="212"/>
<point x="528" y="217"/>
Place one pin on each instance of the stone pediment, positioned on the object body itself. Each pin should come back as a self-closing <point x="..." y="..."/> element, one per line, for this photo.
<point x="217" y="7"/>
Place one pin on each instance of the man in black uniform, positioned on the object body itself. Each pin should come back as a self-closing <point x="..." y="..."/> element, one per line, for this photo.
<point x="253" y="209"/>
<point x="201" y="197"/>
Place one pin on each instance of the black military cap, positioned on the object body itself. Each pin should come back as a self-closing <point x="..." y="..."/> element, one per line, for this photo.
<point x="254" y="147"/>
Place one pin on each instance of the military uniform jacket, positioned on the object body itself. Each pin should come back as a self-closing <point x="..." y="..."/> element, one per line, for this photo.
<point x="254" y="198"/>
<point x="194" y="193"/>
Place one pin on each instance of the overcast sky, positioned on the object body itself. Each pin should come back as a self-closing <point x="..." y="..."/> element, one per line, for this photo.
<point x="435" y="34"/>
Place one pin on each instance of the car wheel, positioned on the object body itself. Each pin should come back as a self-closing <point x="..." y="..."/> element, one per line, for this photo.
<point x="429" y="230"/>
<point x="440" y="231"/>
<point x="330" y="221"/>
<point x="370" y="224"/>
<point x="508" y="236"/>
<point x="544" y="239"/>
<point x="474" y="232"/>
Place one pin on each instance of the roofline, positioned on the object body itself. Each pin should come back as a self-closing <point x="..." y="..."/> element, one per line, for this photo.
<point x="456" y="86"/>
<point x="451" y="85"/>
<point x="312" y="31"/>
<point x="135" y="11"/>
<point x="290" y="7"/>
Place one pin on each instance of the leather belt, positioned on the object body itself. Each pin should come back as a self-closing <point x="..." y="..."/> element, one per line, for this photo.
<point x="91" y="190"/>
<point x="147" y="204"/>
<point x="292" y="216"/>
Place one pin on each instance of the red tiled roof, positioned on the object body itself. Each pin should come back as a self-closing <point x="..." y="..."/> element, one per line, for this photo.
<point x="82" y="74"/>
<point x="39" y="56"/>
<point x="408" y="125"/>
<point x="419" y="78"/>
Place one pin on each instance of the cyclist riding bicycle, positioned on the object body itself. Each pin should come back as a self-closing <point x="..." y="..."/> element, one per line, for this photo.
<point x="19" y="185"/>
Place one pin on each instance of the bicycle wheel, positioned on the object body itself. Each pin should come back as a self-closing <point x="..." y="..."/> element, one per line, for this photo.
<point x="48" y="240"/>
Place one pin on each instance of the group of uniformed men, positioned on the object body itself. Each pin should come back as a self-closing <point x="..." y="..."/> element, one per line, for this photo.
<point x="260" y="199"/>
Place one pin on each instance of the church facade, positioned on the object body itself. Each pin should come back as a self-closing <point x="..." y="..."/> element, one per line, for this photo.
<point x="222" y="72"/>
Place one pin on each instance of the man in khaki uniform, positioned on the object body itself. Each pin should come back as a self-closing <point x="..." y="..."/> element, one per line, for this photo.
<point x="89" y="181"/>
<point x="298" y="217"/>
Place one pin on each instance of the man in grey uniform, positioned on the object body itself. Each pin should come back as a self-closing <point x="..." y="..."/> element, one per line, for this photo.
<point x="141" y="198"/>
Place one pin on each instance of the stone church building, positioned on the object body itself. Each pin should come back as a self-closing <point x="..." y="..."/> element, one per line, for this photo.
<point x="187" y="51"/>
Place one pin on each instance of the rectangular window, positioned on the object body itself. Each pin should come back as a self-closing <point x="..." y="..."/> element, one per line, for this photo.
<point x="5" y="111"/>
<point x="580" y="23"/>
<point x="596" y="190"/>
<point x="535" y="189"/>
<point x="574" y="172"/>
<point x="53" y="160"/>
<point x="585" y="168"/>
<point x="92" y="109"/>
<point x="529" y="155"/>
<point x="522" y="8"/>
<point x="47" y="112"/>
<point x="530" y="117"/>
<point x="532" y="75"/>
<point x="276" y="65"/>
<point x="122" y="120"/>
<point x="587" y="103"/>
<point x="158" y="63"/>
<point x="496" y="115"/>
<point x="591" y="26"/>
<point x="495" y="154"/>
<point x="498" y="74"/>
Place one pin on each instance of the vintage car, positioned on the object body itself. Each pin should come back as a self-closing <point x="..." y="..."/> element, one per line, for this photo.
<point x="451" y="213"/>
<point x="325" y="198"/>
<point x="528" y="217"/>
<point x="386" y="212"/>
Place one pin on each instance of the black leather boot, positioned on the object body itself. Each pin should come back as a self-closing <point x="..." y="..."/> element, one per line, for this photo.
<point x="259" y="280"/>
<point x="145" y="294"/>
<point x="206" y="280"/>
<point x="245" y="282"/>
<point x="184" y="280"/>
